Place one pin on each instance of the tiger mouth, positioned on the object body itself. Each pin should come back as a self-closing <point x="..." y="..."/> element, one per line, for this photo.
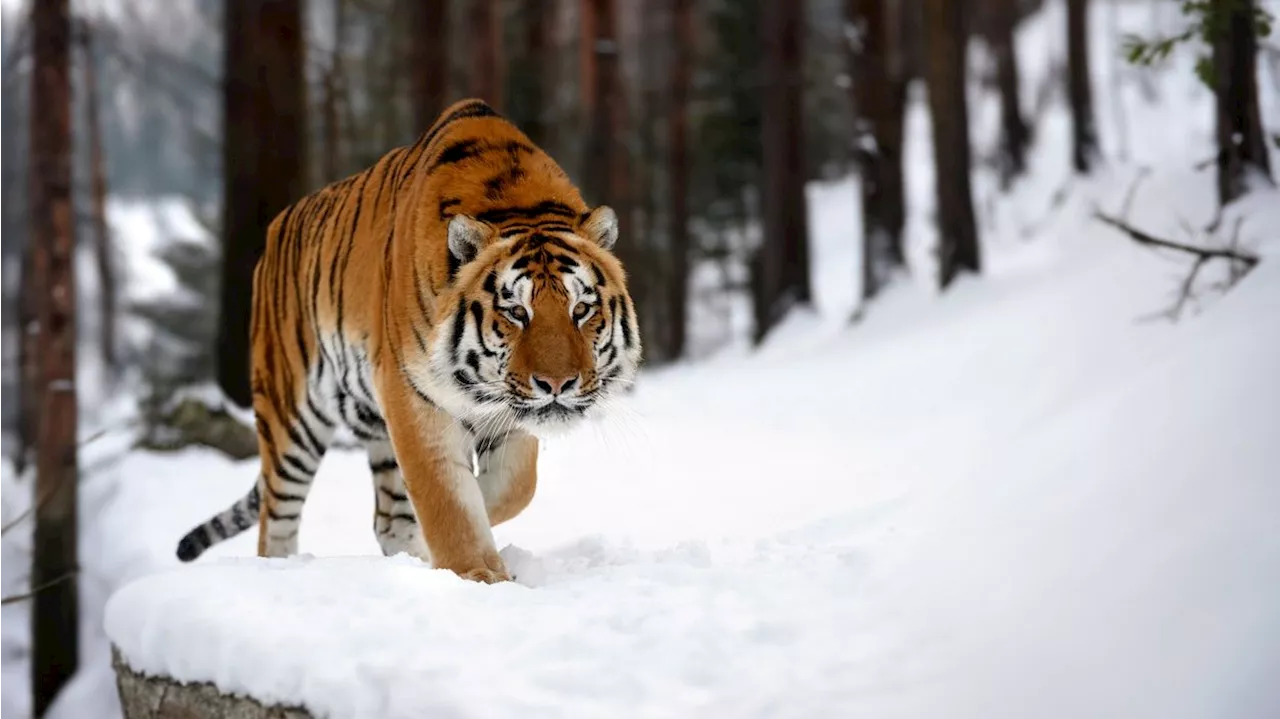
<point x="554" y="411"/>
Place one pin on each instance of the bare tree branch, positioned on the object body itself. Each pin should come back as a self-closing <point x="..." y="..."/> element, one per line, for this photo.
<point x="1145" y="238"/>
<point x="14" y="599"/>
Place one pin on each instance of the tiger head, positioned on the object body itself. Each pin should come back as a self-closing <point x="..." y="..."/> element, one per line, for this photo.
<point x="540" y="328"/>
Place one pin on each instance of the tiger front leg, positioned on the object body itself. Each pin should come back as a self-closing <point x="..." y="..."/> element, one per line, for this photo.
<point x="434" y="453"/>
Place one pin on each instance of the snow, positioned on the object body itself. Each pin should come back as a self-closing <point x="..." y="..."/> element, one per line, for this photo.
<point x="1022" y="497"/>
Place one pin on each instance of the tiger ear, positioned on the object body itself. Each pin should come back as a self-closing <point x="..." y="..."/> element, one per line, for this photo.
<point x="600" y="226"/>
<point x="466" y="237"/>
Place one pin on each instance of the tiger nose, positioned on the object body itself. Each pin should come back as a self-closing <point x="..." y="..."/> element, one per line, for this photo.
<point x="555" y="385"/>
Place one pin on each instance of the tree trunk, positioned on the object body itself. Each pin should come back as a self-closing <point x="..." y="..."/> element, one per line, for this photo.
<point x="678" y="160"/>
<point x="486" y="52"/>
<point x="264" y="124"/>
<point x="333" y="87"/>
<point x="98" y="193"/>
<point x="537" y="56"/>
<point x="1084" y="134"/>
<point x="782" y="263"/>
<point x="430" y="59"/>
<point x="1014" y="134"/>
<point x="879" y="101"/>
<point x="54" y="616"/>
<point x="1242" y="145"/>
<point x="945" y="76"/>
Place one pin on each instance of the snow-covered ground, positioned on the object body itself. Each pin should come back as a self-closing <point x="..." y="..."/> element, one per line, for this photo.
<point x="1022" y="498"/>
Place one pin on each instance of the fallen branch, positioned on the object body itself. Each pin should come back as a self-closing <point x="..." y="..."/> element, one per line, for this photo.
<point x="1238" y="263"/>
<point x="1207" y="253"/>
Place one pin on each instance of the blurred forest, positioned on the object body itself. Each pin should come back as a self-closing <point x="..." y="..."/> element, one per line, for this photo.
<point x="700" y="121"/>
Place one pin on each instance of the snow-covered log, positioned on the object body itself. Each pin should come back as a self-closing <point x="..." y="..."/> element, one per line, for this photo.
<point x="156" y="697"/>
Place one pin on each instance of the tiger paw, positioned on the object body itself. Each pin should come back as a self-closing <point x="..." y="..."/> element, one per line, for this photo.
<point x="486" y="575"/>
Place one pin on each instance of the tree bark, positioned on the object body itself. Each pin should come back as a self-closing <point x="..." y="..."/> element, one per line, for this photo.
<point x="678" y="162"/>
<point x="333" y="87"/>
<point x="55" y="611"/>
<point x="98" y="193"/>
<point x="143" y="696"/>
<point x="486" y="52"/>
<point x="537" y="49"/>
<point x="879" y="101"/>
<point x="430" y="58"/>
<point x="1242" y="145"/>
<point x="264" y="125"/>
<point x="782" y="264"/>
<point x="945" y="76"/>
<point x="1014" y="133"/>
<point x="1084" y="134"/>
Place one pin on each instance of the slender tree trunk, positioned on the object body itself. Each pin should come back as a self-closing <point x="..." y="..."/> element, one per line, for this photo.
<point x="1242" y="145"/>
<point x="782" y="264"/>
<point x="1084" y="134"/>
<point x="430" y="72"/>
<point x="1014" y="134"/>
<point x="55" y="616"/>
<point x="98" y="193"/>
<point x="333" y="87"/>
<point x="945" y="76"/>
<point x="537" y="55"/>
<point x="264" y="124"/>
<point x="677" y="137"/>
<point x="879" y="100"/>
<point x="486" y="51"/>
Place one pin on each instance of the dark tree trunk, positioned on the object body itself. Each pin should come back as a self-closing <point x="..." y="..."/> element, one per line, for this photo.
<point x="1084" y="134"/>
<point x="264" y="124"/>
<point x="1014" y="133"/>
<point x="945" y="76"/>
<point x="1242" y="145"/>
<point x="333" y="88"/>
<point x="429" y="54"/>
<point x="781" y="266"/>
<point x="538" y="14"/>
<point x="678" y="167"/>
<point x="98" y="193"/>
<point x="879" y="100"/>
<point x="55" y="613"/>
<point x="486" y="51"/>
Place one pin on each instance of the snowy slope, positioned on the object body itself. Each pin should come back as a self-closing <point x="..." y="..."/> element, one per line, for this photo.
<point x="1016" y="499"/>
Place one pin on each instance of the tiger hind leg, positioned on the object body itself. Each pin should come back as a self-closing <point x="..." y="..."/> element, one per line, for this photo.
<point x="394" y="522"/>
<point x="291" y="450"/>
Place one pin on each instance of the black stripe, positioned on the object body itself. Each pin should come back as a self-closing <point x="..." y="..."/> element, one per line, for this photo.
<point x="393" y="496"/>
<point x="546" y="207"/>
<point x="457" y="152"/>
<point x="383" y="466"/>
<point x="285" y="516"/>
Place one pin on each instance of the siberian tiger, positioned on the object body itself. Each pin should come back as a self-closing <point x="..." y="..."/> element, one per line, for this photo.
<point x="448" y="304"/>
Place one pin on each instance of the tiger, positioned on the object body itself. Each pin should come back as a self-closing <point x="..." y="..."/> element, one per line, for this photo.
<point x="450" y="305"/>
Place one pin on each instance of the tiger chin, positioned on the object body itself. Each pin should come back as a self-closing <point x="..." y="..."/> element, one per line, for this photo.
<point x="449" y="305"/>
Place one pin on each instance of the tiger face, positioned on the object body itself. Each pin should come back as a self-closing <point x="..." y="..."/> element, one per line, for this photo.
<point x="540" y="329"/>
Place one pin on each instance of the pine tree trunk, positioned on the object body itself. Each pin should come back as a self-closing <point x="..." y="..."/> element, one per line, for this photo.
<point x="945" y="76"/>
<point x="333" y="87"/>
<point x="538" y="14"/>
<point x="1242" y="145"/>
<point x="1014" y="133"/>
<point x="678" y="167"/>
<point x="879" y="101"/>
<point x="98" y="193"/>
<point x="1084" y="134"/>
<point x="264" y="141"/>
<point x="429" y="54"/>
<point x="781" y="266"/>
<point x="55" y="611"/>
<point x="486" y="51"/>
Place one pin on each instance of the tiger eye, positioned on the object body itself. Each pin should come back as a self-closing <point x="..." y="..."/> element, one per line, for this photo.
<point x="580" y="310"/>
<point x="520" y="313"/>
